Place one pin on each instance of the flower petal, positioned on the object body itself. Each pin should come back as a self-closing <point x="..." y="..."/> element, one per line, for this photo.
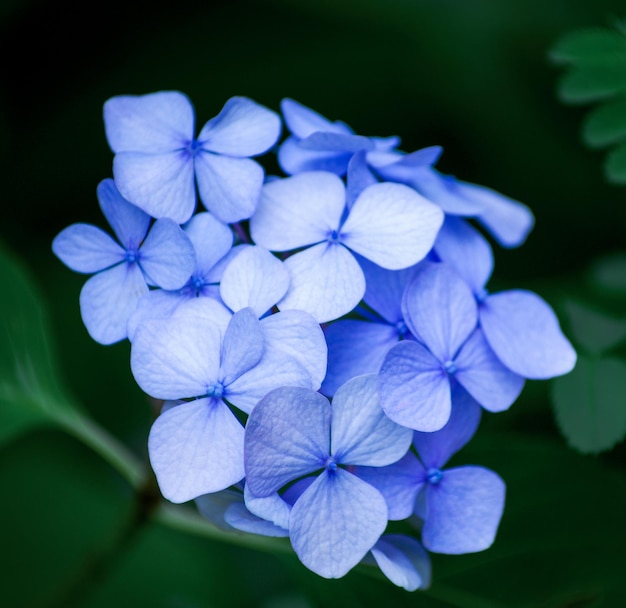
<point x="293" y="159"/>
<point x="403" y="561"/>
<point x="464" y="511"/>
<point x="287" y="437"/>
<point x="303" y="121"/>
<point x="336" y="142"/>
<point x="214" y="506"/>
<point x="211" y="240"/>
<point x="242" y="128"/>
<point x="445" y="191"/>
<point x="525" y="334"/>
<point x="242" y="347"/>
<point x="196" y="448"/>
<point x="271" y="508"/>
<point x="108" y="299"/>
<point x="335" y="522"/>
<point x="238" y="517"/>
<point x="154" y="123"/>
<point x="86" y="248"/>
<point x="359" y="177"/>
<point x="326" y="281"/>
<point x="229" y="187"/>
<point x="360" y="432"/>
<point x="391" y="225"/>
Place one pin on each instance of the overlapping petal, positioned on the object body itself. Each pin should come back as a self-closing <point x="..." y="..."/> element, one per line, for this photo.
<point x="403" y="561"/>
<point x="293" y="159"/>
<point x="242" y="347"/>
<point x="303" y="121"/>
<point x="211" y="240"/>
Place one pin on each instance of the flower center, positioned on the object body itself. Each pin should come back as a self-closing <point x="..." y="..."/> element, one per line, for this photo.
<point x="401" y="328"/>
<point x="450" y="367"/>
<point x="481" y="295"/>
<point x="215" y="390"/>
<point x="333" y="236"/>
<point x="131" y="256"/>
<point x="434" y="476"/>
<point x="330" y="464"/>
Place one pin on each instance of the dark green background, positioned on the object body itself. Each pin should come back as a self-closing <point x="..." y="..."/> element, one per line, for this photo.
<point x="471" y="75"/>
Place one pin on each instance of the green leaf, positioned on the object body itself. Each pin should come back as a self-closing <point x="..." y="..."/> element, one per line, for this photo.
<point x="605" y="125"/>
<point x="590" y="404"/>
<point x="608" y="274"/>
<point x="595" y="45"/>
<point x="615" y="165"/>
<point x="596" y="332"/>
<point x="31" y="395"/>
<point x="593" y="82"/>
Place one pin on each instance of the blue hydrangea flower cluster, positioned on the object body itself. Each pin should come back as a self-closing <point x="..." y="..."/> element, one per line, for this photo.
<point x="322" y="342"/>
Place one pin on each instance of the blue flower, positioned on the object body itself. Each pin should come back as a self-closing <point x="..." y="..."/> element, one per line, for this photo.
<point x="158" y="156"/>
<point x="162" y="256"/>
<point x="389" y="224"/>
<point x="294" y="433"/>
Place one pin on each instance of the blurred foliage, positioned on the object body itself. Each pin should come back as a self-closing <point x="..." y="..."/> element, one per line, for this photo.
<point x="84" y="527"/>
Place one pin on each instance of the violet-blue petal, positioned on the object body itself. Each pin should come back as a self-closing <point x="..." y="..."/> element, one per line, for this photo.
<point x="242" y="128"/>
<point x="297" y="489"/>
<point x="238" y="517"/>
<point x="392" y="225"/>
<point x="196" y="448"/>
<point x="272" y="508"/>
<point x="403" y="561"/>
<point x="355" y="348"/>
<point x="508" y="220"/>
<point x="439" y="309"/>
<point x="414" y="390"/>
<point x="293" y="159"/>
<point x="480" y="372"/>
<point x="336" y="522"/>
<point x="336" y="142"/>
<point x="108" y="299"/>
<point x="214" y="506"/>
<point x="287" y="437"/>
<point x="167" y="255"/>
<point x="242" y="347"/>
<point x="211" y="240"/>
<point x="401" y="168"/>
<point x="177" y="357"/>
<point x="160" y="184"/>
<point x="205" y="309"/>
<point x="524" y="332"/>
<point x="216" y="273"/>
<point x="298" y="335"/>
<point x="385" y="288"/>
<point x="298" y="211"/>
<point x="154" y="123"/>
<point x="303" y="121"/>
<point x="444" y="191"/>
<point x="156" y="304"/>
<point x="399" y="483"/>
<point x="229" y="187"/>
<point x="86" y="248"/>
<point x="359" y="177"/>
<point x="254" y="278"/>
<point x="360" y="432"/>
<point x="435" y="449"/>
<point x="464" y="511"/>
<point x="326" y="281"/>
<point x="274" y="370"/>
<point x="129" y="223"/>
<point x="461" y="246"/>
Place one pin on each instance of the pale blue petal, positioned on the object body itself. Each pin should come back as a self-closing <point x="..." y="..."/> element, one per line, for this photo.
<point x="156" y="304"/>
<point x="402" y="168"/>
<point x="287" y="437"/>
<point x="303" y="121"/>
<point x="360" y="432"/>
<point x="359" y="177"/>
<point x="403" y="561"/>
<point x="211" y="240"/>
<point x="177" y="357"/>
<point x="326" y="281"/>
<point x="298" y="335"/>
<point x="238" y="517"/>
<point x="464" y="511"/>
<point x="229" y="187"/>
<point x="414" y="390"/>
<point x="355" y="348"/>
<point x="254" y="278"/>
<point x="467" y="251"/>
<point x="336" y="142"/>
<point x="298" y="211"/>
<point x="271" y="508"/>
<point x="480" y="372"/>
<point x="205" y="309"/>
<point x="242" y="347"/>
<point x="445" y="191"/>
<point x="108" y="299"/>
<point x="196" y="448"/>
<point x="273" y="371"/>
<point x="336" y="522"/>
<point x="392" y="225"/>
<point x="160" y="184"/>
<point x="439" y="309"/>
<point x="213" y="506"/>
<point x="242" y="128"/>
<point x="86" y="248"/>
<point x="385" y="288"/>
<point x="525" y="334"/>
<point x="293" y="159"/>
<point x="167" y="255"/>
<point x="435" y="449"/>
<point x="399" y="483"/>
<point x="153" y="123"/>
<point x="508" y="220"/>
<point x="129" y="223"/>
